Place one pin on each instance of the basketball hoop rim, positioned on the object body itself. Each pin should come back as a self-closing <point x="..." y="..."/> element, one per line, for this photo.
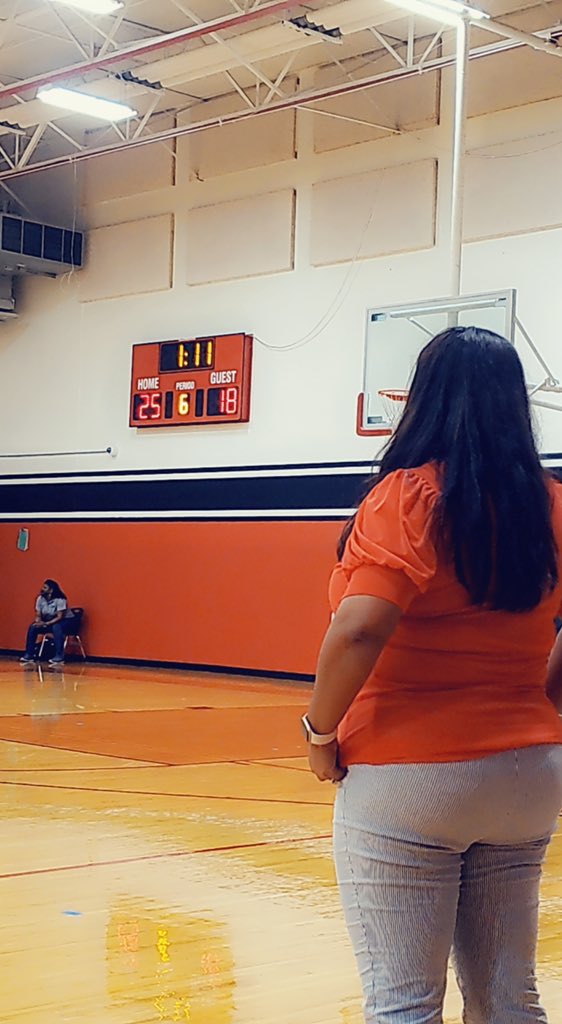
<point x="394" y="394"/>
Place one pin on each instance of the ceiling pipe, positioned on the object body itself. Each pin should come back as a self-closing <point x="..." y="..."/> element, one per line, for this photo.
<point x="294" y="102"/>
<point x="151" y="45"/>
<point x="536" y="42"/>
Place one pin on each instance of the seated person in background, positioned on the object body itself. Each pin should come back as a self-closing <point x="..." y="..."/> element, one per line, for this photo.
<point x="51" y="616"/>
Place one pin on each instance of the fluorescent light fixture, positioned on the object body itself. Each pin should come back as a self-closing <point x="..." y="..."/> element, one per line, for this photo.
<point x="92" y="6"/>
<point x="83" y="103"/>
<point x="447" y="12"/>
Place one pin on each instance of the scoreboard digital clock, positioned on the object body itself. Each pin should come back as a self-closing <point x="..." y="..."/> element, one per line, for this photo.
<point x="190" y="383"/>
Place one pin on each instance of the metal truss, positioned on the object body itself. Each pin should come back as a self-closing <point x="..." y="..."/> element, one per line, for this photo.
<point x="261" y="79"/>
<point x="27" y="23"/>
<point x="118" y="31"/>
<point x="99" y="44"/>
<point x="304" y="99"/>
<point x="24" y="151"/>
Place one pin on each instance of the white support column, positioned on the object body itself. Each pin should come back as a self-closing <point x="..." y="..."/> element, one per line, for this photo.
<point x="459" y="150"/>
<point x="411" y="42"/>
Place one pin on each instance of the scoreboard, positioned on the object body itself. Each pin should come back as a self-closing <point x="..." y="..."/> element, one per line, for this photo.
<point x="191" y="383"/>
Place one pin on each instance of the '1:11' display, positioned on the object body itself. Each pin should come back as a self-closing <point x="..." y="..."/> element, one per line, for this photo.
<point x="187" y="355"/>
<point x="159" y="405"/>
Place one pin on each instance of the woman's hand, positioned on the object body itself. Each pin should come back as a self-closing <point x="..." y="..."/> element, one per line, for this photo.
<point x="359" y="630"/>
<point x="323" y="762"/>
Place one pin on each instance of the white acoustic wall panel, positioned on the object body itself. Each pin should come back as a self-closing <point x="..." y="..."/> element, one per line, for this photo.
<point x="244" y="238"/>
<point x="513" y="187"/>
<point x="516" y="77"/>
<point x="128" y="259"/>
<point x="386" y="211"/>
<point x="119" y="175"/>
<point x="257" y="142"/>
<point x="513" y="80"/>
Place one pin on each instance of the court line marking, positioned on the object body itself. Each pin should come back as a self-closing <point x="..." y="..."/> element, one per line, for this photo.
<point x="79" y="712"/>
<point x="141" y="792"/>
<point x="75" y="711"/>
<point x="178" y="707"/>
<point x="153" y="766"/>
<point x="142" y="764"/>
<point x="202" y="677"/>
<point x="108" y="768"/>
<point x="164" y="856"/>
<point x="28" y="716"/>
<point x="74" y="750"/>
<point x="143" y="761"/>
<point x="284" y="767"/>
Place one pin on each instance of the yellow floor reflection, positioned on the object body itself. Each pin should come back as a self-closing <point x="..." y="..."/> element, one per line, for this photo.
<point x="139" y="888"/>
<point x="178" y="967"/>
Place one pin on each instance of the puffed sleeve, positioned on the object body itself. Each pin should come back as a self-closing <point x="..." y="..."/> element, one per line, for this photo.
<point x="390" y="552"/>
<point x="555" y="487"/>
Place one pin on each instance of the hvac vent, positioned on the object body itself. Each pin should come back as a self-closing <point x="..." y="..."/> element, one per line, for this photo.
<point x="29" y="247"/>
<point x="7" y="300"/>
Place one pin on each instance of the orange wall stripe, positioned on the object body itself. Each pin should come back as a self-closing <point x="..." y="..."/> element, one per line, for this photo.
<point x="243" y="595"/>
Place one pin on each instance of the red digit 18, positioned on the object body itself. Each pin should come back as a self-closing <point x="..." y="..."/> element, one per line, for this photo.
<point x="231" y="401"/>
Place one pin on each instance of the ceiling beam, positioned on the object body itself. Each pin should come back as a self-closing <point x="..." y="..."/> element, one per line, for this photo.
<point x="303" y="99"/>
<point x="540" y="41"/>
<point x="151" y="45"/>
<point x="176" y="70"/>
<point x="240" y="60"/>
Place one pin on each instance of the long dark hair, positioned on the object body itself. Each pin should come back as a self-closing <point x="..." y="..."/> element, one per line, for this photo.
<point x="468" y="411"/>
<point x="57" y="592"/>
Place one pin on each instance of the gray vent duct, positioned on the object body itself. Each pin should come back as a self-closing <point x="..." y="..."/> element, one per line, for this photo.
<point x="7" y="301"/>
<point x="28" y="247"/>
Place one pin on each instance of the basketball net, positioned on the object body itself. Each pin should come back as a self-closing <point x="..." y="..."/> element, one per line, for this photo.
<point x="394" y="399"/>
<point x="393" y="402"/>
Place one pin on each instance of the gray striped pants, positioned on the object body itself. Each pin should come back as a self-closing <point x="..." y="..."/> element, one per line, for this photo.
<point x="438" y="857"/>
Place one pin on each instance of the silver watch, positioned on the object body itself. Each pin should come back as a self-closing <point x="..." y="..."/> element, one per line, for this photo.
<point x="317" y="739"/>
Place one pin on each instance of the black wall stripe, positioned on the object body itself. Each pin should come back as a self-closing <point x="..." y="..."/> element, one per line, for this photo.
<point x="247" y="494"/>
<point x="288" y="495"/>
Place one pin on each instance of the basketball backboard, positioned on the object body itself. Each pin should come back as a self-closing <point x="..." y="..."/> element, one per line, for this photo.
<point x="396" y="335"/>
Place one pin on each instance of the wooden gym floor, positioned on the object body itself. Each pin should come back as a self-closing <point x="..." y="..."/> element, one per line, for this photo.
<point x="165" y="856"/>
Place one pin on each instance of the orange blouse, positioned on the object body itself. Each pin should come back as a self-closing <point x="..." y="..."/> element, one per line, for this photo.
<point x="456" y="681"/>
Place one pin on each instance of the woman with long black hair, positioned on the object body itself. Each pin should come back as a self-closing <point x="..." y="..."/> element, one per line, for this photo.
<point x="434" y="707"/>
<point x="51" y="616"/>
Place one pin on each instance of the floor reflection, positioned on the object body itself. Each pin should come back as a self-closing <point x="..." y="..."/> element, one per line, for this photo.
<point x="181" y="965"/>
<point x="165" y="856"/>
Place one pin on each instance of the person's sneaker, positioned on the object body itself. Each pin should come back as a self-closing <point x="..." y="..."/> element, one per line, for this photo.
<point x="27" y="661"/>
<point x="56" y="661"/>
